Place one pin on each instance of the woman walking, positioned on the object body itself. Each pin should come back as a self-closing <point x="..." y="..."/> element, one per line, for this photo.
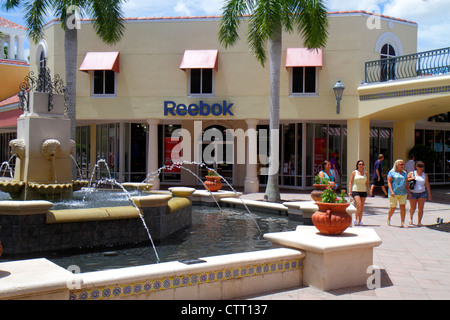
<point x="358" y="188"/>
<point x="398" y="191"/>
<point x="419" y="191"/>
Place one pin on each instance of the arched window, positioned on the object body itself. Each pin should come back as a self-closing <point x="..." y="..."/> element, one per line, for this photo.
<point x="387" y="71"/>
<point x="41" y="63"/>
<point x="387" y="51"/>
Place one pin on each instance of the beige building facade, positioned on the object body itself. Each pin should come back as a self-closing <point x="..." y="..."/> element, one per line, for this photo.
<point x="171" y="75"/>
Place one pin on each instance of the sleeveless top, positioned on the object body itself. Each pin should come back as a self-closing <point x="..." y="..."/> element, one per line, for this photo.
<point x="420" y="183"/>
<point x="330" y="178"/>
<point x="359" y="182"/>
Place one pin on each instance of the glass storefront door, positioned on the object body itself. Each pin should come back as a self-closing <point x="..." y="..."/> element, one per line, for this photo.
<point x="218" y="152"/>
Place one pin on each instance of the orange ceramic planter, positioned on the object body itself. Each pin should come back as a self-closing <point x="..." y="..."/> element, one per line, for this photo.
<point x="213" y="183"/>
<point x="332" y="218"/>
<point x="316" y="195"/>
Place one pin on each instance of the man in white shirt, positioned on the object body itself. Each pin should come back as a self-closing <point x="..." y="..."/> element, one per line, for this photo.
<point x="409" y="166"/>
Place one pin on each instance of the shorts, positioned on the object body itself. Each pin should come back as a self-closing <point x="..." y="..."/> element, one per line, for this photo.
<point x="417" y="195"/>
<point x="394" y="199"/>
<point x="359" y="194"/>
<point x="378" y="183"/>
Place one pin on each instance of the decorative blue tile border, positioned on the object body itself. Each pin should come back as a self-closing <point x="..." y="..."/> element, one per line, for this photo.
<point x="404" y="93"/>
<point x="127" y="290"/>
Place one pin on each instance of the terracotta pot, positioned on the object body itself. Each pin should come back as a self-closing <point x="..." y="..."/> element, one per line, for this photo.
<point x="213" y="183"/>
<point x="332" y="218"/>
<point x="316" y="195"/>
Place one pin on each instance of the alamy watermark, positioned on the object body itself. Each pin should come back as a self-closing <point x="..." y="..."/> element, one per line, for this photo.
<point x="230" y="147"/>
<point x="73" y="17"/>
<point x="75" y="282"/>
<point x="374" y="280"/>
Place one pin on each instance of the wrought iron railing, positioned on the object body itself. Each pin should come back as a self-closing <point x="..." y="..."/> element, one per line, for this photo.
<point x="420" y="64"/>
<point x="42" y="83"/>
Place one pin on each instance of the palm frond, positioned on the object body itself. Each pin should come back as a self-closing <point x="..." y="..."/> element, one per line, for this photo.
<point x="10" y="4"/>
<point x="35" y="11"/>
<point x="312" y="21"/>
<point x="233" y="11"/>
<point x="108" y="19"/>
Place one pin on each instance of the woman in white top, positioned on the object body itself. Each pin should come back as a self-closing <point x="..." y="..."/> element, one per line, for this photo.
<point x="358" y="188"/>
<point x="419" y="192"/>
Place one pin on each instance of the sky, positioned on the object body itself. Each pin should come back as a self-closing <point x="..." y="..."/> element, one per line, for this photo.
<point x="431" y="15"/>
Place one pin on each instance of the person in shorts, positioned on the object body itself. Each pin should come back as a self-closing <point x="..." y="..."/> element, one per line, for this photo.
<point x="358" y="188"/>
<point x="420" y="192"/>
<point x="398" y="191"/>
<point x="378" y="179"/>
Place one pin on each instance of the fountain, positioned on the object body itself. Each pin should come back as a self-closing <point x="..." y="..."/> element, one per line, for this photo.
<point x="43" y="175"/>
<point x="43" y="146"/>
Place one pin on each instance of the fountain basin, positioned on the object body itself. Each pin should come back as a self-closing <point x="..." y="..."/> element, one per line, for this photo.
<point x="79" y="184"/>
<point x="12" y="187"/>
<point x="30" y="226"/>
<point x="130" y="186"/>
<point x="182" y="192"/>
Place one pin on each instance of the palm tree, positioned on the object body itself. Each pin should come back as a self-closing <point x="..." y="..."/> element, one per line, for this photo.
<point x="266" y="21"/>
<point x="107" y="22"/>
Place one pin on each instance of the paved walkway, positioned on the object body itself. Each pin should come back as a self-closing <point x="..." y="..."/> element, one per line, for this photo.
<point x="414" y="262"/>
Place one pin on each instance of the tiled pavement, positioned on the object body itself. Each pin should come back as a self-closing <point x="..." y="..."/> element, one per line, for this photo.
<point x="414" y="262"/>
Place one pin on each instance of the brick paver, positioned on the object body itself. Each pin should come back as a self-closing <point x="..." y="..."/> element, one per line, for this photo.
<point x="414" y="263"/>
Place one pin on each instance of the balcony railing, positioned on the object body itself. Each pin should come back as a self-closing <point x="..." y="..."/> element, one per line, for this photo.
<point x="420" y="64"/>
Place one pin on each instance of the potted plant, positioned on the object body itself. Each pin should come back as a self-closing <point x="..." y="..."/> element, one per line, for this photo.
<point x="332" y="217"/>
<point x="213" y="182"/>
<point x="319" y="185"/>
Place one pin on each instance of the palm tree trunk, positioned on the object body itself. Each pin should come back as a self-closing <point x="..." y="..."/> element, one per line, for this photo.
<point x="272" y="189"/>
<point x="71" y="50"/>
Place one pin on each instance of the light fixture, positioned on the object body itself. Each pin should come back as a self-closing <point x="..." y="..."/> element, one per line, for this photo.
<point x="338" y="92"/>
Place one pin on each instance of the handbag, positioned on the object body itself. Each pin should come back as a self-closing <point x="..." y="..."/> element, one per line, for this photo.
<point x="412" y="183"/>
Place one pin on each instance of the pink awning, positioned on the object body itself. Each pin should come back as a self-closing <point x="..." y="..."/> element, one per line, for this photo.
<point x="302" y="57"/>
<point x="100" y="61"/>
<point x="9" y="118"/>
<point x="200" y="59"/>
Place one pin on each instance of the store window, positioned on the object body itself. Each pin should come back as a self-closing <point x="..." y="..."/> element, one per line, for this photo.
<point x="200" y="65"/>
<point x="83" y="151"/>
<point x="168" y="142"/>
<point x="303" y="80"/>
<point x="201" y="82"/>
<point x="291" y="154"/>
<point x="103" y="83"/>
<point x="108" y="150"/>
<point x="381" y="143"/>
<point x="217" y="151"/>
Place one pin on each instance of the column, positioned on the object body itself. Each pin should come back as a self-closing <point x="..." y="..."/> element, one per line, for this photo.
<point x="12" y="47"/>
<point x="152" y="153"/>
<point x="251" y="183"/>
<point x="404" y="132"/>
<point x="93" y="148"/>
<point x="121" y="152"/>
<point x="358" y="144"/>
<point x="21" y="48"/>
<point x="2" y="48"/>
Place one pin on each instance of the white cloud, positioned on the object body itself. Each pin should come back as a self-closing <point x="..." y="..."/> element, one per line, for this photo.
<point x="182" y="9"/>
<point x="430" y="15"/>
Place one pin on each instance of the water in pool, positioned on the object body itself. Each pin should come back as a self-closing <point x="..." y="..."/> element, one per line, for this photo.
<point x="212" y="233"/>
